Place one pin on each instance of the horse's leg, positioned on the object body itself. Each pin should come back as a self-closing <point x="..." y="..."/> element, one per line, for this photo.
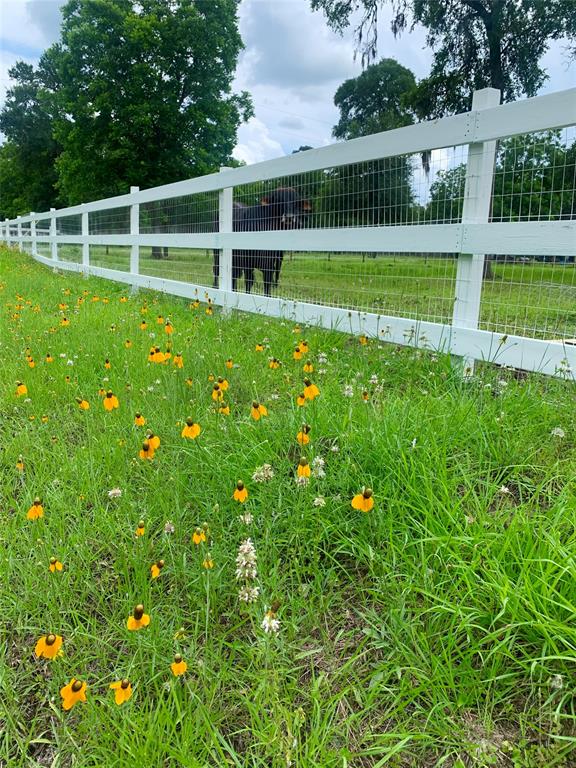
<point x="279" y="257"/>
<point x="267" y="267"/>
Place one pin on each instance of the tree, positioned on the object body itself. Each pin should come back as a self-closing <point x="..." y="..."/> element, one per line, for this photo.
<point x="142" y="93"/>
<point x="374" y="101"/>
<point x="28" y="157"/>
<point x="476" y="43"/>
<point x="376" y="192"/>
<point x="12" y="183"/>
<point x="534" y="179"/>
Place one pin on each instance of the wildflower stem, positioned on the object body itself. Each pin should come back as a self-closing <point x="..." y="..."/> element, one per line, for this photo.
<point x="207" y="583"/>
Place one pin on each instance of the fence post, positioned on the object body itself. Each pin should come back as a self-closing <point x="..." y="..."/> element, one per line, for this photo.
<point x="53" y="243"/>
<point x="8" y="240"/>
<point x="85" y="244"/>
<point x="33" y="245"/>
<point x="225" y="224"/>
<point x="19" y="234"/>
<point x="134" y="232"/>
<point x="476" y="210"/>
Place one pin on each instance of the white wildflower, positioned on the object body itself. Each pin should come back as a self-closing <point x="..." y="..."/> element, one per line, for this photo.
<point x="319" y="501"/>
<point x="373" y="379"/>
<point x="348" y="391"/>
<point x="246" y="561"/>
<point x="322" y="357"/>
<point x="556" y="682"/>
<point x="69" y="362"/>
<point x="169" y="527"/>
<point x="318" y="467"/>
<point x="301" y="480"/>
<point x="504" y="490"/>
<point x="248" y="594"/>
<point x="246" y="518"/>
<point x="263" y="473"/>
<point x="558" y="432"/>
<point x="271" y="625"/>
<point x="114" y="493"/>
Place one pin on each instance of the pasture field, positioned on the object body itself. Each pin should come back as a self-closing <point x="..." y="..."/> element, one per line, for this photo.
<point x="435" y="629"/>
<point x="535" y="299"/>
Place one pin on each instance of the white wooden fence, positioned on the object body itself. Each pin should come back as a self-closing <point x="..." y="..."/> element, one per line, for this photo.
<point x="469" y="237"/>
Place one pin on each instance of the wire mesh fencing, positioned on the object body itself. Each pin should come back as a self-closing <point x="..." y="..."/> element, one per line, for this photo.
<point x="533" y="294"/>
<point x="386" y="235"/>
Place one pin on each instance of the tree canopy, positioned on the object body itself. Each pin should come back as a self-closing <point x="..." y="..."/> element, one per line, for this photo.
<point x="534" y="179"/>
<point x="136" y="92"/>
<point x="374" y="101"/>
<point x="27" y="158"/>
<point x="476" y="43"/>
<point x="380" y="191"/>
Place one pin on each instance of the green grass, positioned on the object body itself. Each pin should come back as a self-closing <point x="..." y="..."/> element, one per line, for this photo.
<point x="534" y="299"/>
<point x="436" y="630"/>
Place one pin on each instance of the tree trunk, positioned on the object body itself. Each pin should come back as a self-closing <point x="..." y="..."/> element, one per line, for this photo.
<point x="488" y="272"/>
<point x="492" y="23"/>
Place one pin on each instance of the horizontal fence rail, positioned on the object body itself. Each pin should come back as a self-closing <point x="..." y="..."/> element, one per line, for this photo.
<point x="390" y="237"/>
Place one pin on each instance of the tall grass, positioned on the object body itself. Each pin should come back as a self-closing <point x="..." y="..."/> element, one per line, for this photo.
<point x="437" y="629"/>
<point x="535" y="299"/>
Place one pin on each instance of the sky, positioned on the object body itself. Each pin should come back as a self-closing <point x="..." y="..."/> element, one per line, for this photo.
<point x="292" y="65"/>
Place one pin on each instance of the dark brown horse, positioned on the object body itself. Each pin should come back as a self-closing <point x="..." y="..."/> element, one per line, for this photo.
<point x="281" y="209"/>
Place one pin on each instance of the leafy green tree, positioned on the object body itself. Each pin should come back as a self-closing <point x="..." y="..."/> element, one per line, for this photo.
<point x="447" y="196"/>
<point x="476" y="43"/>
<point x="13" y="201"/>
<point x="143" y="93"/>
<point x="379" y="191"/>
<point x="534" y="178"/>
<point x="374" y="101"/>
<point x="28" y="173"/>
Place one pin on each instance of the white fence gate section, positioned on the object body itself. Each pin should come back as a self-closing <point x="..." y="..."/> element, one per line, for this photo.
<point x="457" y="235"/>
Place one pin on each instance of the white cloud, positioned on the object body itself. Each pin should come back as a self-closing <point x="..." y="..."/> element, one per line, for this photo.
<point x="30" y="25"/>
<point x="255" y="143"/>
<point x="289" y="46"/>
<point x="46" y="16"/>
